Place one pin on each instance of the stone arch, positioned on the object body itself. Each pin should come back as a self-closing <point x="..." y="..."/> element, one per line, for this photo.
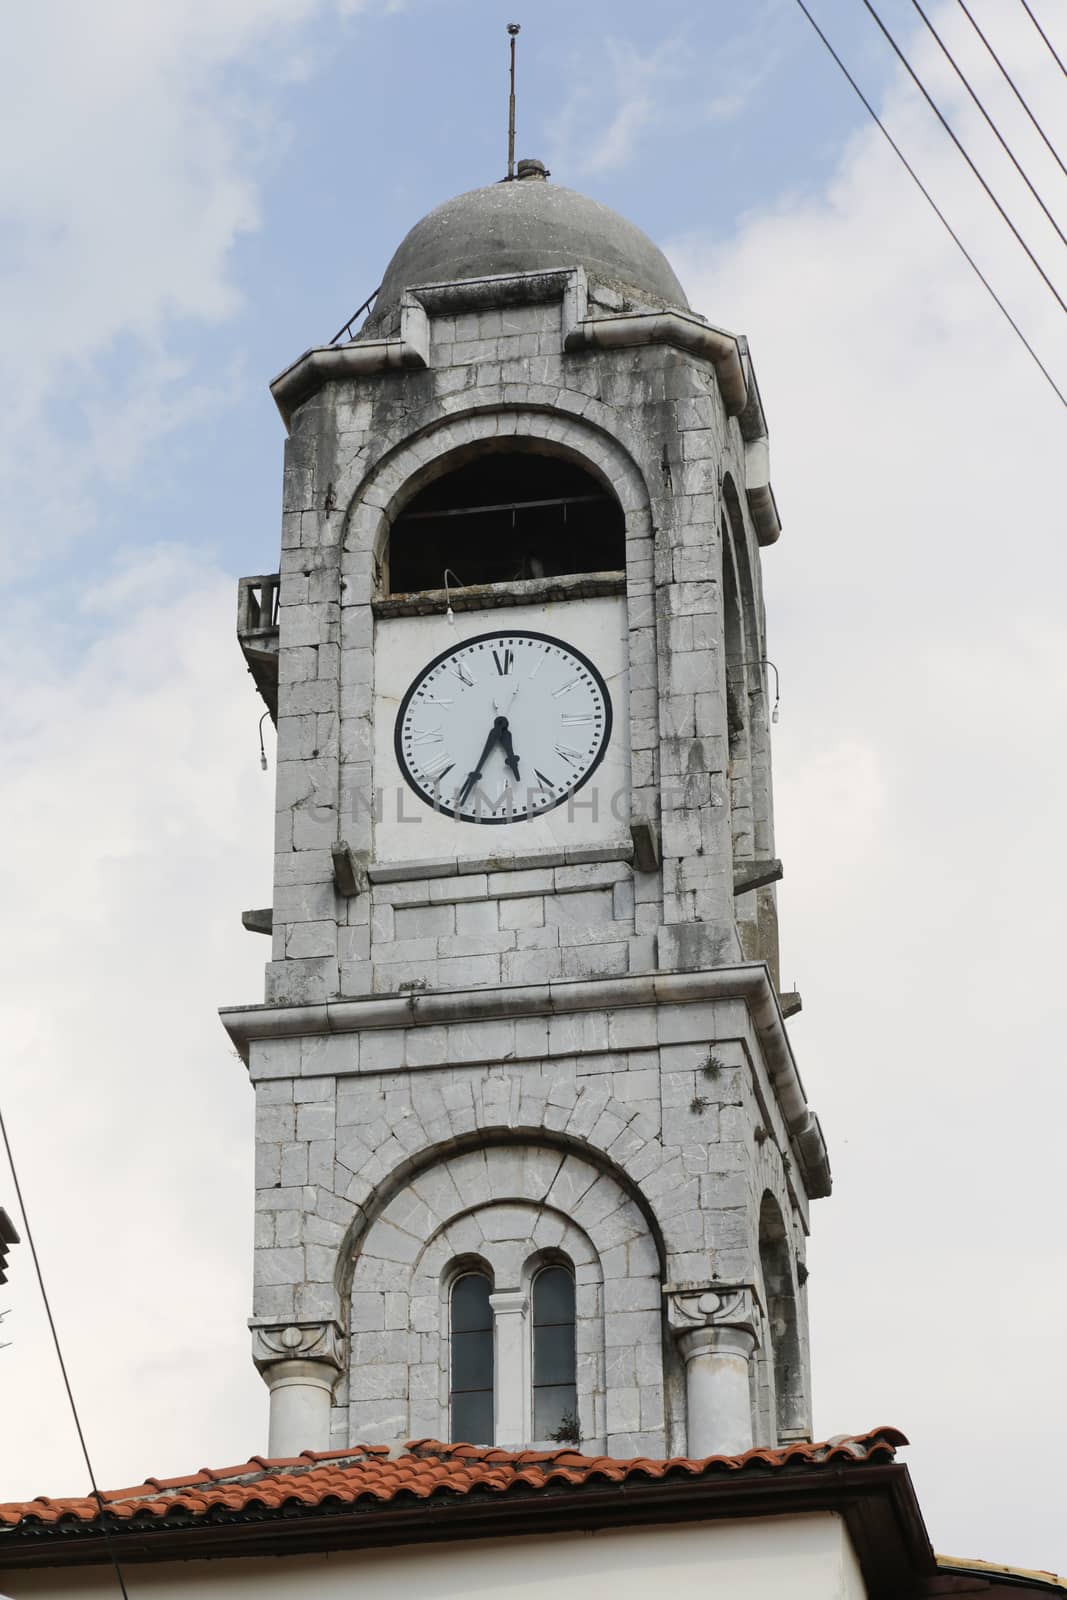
<point x="504" y="1204"/>
<point x="784" y="1399"/>
<point x="750" y="727"/>
<point x="446" y="442"/>
<point x="374" y="1159"/>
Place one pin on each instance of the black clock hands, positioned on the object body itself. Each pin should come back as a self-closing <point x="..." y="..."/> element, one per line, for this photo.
<point x="499" y="733"/>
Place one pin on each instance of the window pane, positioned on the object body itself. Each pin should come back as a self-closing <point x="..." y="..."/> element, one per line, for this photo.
<point x="554" y="1395"/>
<point x="553" y="1296"/>
<point x="553" y="1406"/>
<point x="470" y="1303"/>
<point x="472" y="1418"/>
<point x="472" y="1361"/>
<point x="554" y="1354"/>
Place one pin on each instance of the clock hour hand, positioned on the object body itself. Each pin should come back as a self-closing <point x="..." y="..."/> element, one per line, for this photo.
<point x="510" y="758"/>
<point x="475" y="776"/>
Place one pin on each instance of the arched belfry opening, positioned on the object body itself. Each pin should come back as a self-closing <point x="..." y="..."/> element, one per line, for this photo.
<point x="506" y="517"/>
<point x="788" y="1416"/>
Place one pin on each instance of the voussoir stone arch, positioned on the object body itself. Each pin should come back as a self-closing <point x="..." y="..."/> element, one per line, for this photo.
<point x="419" y="458"/>
<point x="503" y="1205"/>
<point x="376" y="1153"/>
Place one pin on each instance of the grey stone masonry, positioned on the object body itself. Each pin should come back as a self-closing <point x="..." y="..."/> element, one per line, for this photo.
<point x="638" y="1141"/>
<point x="496" y="1054"/>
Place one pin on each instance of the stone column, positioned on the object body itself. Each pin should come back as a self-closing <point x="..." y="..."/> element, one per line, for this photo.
<point x="300" y="1363"/>
<point x="717" y="1329"/>
<point x="511" y="1402"/>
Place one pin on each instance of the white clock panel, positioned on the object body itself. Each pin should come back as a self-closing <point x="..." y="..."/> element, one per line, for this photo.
<point x="502" y="731"/>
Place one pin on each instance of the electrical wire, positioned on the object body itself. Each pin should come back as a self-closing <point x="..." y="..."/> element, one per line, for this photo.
<point x="62" y="1364"/>
<point x="953" y="235"/>
<point x="1016" y="91"/>
<point x="949" y="130"/>
<point x="947" y="53"/>
<point x="1044" y="36"/>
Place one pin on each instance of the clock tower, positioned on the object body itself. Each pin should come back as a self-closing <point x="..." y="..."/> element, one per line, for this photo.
<point x="533" y="1157"/>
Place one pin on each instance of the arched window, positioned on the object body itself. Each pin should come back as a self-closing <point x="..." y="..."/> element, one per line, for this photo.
<point x="790" y="1405"/>
<point x="555" y="1398"/>
<point x="504" y="517"/>
<point x="471" y="1389"/>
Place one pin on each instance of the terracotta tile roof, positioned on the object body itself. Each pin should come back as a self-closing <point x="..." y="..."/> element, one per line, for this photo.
<point x="420" y="1470"/>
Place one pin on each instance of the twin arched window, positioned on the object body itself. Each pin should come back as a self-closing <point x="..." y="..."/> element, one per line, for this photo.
<point x="552" y="1404"/>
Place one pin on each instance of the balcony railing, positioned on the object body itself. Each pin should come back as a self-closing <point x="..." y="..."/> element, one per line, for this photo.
<point x="257" y="633"/>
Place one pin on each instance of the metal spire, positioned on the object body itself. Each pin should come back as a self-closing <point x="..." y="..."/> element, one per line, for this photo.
<point x="513" y="30"/>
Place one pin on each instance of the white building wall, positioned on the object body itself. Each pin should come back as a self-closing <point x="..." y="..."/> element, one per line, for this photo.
<point x="806" y="1558"/>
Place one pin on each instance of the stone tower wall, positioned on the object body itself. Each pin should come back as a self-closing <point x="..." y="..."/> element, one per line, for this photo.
<point x="518" y="1056"/>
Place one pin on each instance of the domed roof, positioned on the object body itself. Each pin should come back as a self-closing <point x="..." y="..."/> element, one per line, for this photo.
<point x="526" y="225"/>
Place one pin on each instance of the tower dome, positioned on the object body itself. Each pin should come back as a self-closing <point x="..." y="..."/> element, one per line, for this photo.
<point x="527" y="225"/>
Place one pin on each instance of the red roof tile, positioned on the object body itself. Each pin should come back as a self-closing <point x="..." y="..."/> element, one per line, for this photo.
<point x="421" y="1469"/>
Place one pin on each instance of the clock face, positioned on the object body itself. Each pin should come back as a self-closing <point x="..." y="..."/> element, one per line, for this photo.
<point x="503" y="727"/>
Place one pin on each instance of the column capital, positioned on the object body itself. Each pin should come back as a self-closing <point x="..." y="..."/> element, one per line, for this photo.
<point x="714" y="1308"/>
<point x="514" y="1302"/>
<point x="274" y="1342"/>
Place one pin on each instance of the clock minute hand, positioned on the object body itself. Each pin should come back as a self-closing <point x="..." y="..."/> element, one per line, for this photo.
<point x="475" y="776"/>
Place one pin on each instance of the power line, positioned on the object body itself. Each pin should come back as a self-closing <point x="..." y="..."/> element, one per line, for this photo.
<point x="1044" y="36"/>
<point x="947" y="53"/>
<point x="949" y="130"/>
<point x="924" y="191"/>
<point x="62" y="1364"/>
<point x="1013" y="87"/>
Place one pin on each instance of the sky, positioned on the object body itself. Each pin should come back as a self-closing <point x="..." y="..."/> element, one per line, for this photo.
<point x="193" y="192"/>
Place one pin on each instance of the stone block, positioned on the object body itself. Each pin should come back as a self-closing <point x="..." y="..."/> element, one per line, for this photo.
<point x="637" y="1084"/>
<point x="530" y="881"/>
<point x="315" y="1121"/>
<point x="583" y="909"/>
<point x="294" y="1169"/>
<point x="598" y="961"/>
<point x="273" y="1059"/>
<point x="275" y="1122"/>
<point x="278" y="1267"/>
<point x="382" y="1049"/>
<point x="310" y="939"/>
<point x="300" y="982"/>
<point x="475" y="919"/>
<point x="469" y="972"/>
<point x="470" y="886"/>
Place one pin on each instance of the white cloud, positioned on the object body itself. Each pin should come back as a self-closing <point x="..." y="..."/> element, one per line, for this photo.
<point x="143" y="131"/>
<point x="131" y="783"/>
<point x="915" y="606"/>
<point x="598" y="127"/>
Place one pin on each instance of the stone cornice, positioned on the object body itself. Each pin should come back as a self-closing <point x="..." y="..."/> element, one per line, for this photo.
<point x="749" y="982"/>
<point x="606" y="331"/>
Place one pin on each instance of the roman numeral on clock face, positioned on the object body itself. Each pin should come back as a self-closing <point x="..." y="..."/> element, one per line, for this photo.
<point x="428" y="736"/>
<point x="436" y="769"/>
<point x="573" y="756"/>
<point x="505" y="660"/>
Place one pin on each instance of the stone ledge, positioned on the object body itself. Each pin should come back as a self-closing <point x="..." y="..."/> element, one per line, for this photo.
<point x="454" y="866"/>
<point x="486" y="596"/>
<point x="749" y="981"/>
